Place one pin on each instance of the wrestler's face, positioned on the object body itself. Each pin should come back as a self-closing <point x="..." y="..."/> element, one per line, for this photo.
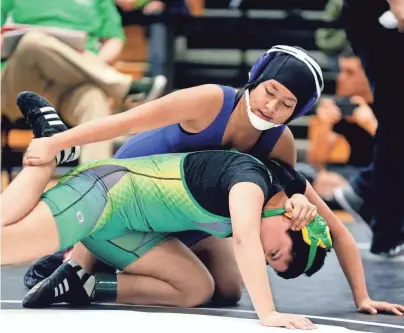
<point x="276" y="242"/>
<point x="272" y="101"/>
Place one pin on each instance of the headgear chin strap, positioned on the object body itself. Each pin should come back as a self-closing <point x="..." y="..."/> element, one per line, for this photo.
<point x="259" y="66"/>
<point x="315" y="234"/>
<point x="257" y="122"/>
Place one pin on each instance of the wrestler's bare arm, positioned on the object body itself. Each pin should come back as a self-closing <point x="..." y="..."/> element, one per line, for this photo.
<point x="178" y="107"/>
<point x="345" y="247"/>
<point x="245" y="203"/>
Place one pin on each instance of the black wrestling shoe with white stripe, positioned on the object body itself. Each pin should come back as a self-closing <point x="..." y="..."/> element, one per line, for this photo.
<point x="42" y="117"/>
<point x="44" y="267"/>
<point x="68" y="284"/>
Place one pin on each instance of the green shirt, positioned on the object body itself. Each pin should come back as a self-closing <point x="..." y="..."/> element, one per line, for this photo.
<point x="99" y="18"/>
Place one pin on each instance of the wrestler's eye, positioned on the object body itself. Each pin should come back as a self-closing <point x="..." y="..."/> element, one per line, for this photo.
<point x="275" y="255"/>
<point x="269" y="93"/>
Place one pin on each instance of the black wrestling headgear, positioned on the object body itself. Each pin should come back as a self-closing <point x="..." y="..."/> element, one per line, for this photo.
<point x="295" y="69"/>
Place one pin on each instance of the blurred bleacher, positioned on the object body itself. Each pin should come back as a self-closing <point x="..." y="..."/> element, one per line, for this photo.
<point x="218" y="44"/>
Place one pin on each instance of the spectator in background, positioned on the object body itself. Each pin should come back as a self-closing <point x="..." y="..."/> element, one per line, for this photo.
<point x="332" y="41"/>
<point x="331" y="129"/>
<point x="80" y="84"/>
<point x="160" y="32"/>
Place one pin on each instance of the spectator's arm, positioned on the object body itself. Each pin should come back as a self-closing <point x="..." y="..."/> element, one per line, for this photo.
<point x="322" y="141"/>
<point x="321" y="135"/>
<point x="111" y="50"/>
<point x="369" y="126"/>
<point x="155" y="6"/>
<point x="363" y="116"/>
<point x="125" y="5"/>
<point x="111" y="32"/>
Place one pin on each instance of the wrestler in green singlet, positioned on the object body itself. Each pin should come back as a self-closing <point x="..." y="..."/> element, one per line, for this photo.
<point x="123" y="208"/>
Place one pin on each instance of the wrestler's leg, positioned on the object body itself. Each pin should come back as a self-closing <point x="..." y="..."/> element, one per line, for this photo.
<point x="33" y="236"/>
<point x="66" y="214"/>
<point x="217" y="255"/>
<point x="169" y="274"/>
<point x="155" y="270"/>
<point x="22" y="195"/>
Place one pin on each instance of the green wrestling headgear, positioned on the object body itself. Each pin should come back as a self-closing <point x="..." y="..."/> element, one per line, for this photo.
<point x="315" y="234"/>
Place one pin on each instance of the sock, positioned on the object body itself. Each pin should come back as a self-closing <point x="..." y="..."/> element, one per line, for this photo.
<point x="68" y="155"/>
<point x="105" y="287"/>
<point x="87" y="279"/>
<point x="67" y="255"/>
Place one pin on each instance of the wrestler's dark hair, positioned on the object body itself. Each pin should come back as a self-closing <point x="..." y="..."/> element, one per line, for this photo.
<point x="300" y="254"/>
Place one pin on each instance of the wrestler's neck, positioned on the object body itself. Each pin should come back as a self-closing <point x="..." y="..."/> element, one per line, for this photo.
<point x="277" y="201"/>
<point x="239" y="119"/>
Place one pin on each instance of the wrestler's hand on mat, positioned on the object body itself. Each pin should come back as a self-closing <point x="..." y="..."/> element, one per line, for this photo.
<point x="40" y="151"/>
<point x="287" y="320"/>
<point x="373" y="307"/>
<point x="302" y="211"/>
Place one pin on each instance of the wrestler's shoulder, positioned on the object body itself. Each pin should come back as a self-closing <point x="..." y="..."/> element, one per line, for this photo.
<point x="208" y="89"/>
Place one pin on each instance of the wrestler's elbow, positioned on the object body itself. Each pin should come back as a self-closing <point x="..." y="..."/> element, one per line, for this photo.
<point x="342" y="235"/>
<point x="244" y="237"/>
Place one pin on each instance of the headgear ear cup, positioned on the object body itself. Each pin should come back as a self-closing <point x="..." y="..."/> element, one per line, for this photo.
<point x="315" y="234"/>
<point x="259" y="66"/>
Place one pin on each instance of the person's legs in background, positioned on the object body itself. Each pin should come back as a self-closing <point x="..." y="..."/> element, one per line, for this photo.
<point x="382" y="53"/>
<point x="161" y="44"/>
<point x="82" y="104"/>
<point x="47" y="66"/>
<point x="355" y="197"/>
<point x="157" y="54"/>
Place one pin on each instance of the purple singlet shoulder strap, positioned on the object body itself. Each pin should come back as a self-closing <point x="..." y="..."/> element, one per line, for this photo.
<point x="267" y="142"/>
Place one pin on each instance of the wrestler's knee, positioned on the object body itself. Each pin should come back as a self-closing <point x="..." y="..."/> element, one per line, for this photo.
<point x="228" y="295"/>
<point x="198" y="293"/>
<point x="217" y="255"/>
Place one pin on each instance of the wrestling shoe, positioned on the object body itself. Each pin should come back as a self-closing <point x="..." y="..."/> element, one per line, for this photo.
<point x="146" y="89"/>
<point x="396" y="253"/>
<point x="347" y="198"/>
<point x="44" y="121"/>
<point x="68" y="284"/>
<point x="44" y="267"/>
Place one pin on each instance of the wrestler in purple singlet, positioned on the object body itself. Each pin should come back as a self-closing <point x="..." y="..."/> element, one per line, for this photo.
<point x="173" y="139"/>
